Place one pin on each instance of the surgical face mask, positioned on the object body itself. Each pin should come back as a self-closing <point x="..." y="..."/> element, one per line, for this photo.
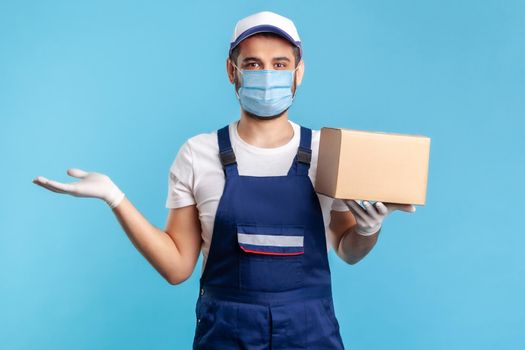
<point x="265" y="93"/>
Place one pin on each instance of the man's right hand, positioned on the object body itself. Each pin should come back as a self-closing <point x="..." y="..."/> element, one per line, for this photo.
<point x="92" y="184"/>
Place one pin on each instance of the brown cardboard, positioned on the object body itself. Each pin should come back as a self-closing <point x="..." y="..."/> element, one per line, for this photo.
<point x="373" y="165"/>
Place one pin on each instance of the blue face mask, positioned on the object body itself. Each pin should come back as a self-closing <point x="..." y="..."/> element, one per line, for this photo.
<point x="266" y="93"/>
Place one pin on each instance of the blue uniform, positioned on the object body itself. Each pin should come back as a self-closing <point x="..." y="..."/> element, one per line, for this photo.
<point x="267" y="283"/>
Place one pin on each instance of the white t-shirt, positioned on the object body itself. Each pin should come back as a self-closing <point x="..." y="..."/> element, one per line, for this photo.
<point x="196" y="175"/>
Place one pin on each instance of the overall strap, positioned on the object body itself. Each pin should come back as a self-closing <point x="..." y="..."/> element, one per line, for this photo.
<point x="301" y="162"/>
<point x="226" y="154"/>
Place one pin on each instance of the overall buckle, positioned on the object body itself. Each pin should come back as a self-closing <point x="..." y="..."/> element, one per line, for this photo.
<point x="227" y="157"/>
<point x="304" y="155"/>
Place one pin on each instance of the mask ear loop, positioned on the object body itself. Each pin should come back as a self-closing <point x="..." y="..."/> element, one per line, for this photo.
<point x="235" y="66"/>
<point x="293" y="72"/>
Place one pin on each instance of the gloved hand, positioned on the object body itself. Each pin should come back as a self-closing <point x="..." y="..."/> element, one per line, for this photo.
<point x="95" y="185"/>
<point x="370" y="218"/>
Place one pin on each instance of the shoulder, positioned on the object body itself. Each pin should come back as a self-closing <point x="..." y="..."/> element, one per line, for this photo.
<point x="202" y="143"/>
<point x="203" y="149"/>
<point x="195" y="145"/>
<point x="205" y="139"/>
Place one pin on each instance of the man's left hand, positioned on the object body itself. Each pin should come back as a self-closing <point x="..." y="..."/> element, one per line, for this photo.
<point x="370" y="217"/>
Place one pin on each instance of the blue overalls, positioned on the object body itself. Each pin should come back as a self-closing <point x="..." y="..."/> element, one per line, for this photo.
<point x="267" y="282"/>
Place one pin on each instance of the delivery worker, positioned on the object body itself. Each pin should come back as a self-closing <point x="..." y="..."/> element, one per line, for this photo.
<point x="243" y="195"/>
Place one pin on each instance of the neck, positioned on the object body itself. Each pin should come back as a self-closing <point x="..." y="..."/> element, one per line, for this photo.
<point x="265" y="133"/>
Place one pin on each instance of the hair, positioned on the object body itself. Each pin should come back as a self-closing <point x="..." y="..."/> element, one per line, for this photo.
<point x="297" y="52"/>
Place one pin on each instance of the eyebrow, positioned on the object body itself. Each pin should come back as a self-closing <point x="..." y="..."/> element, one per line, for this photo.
<point x="251" y="59"/>
<point x="282" y="58"/>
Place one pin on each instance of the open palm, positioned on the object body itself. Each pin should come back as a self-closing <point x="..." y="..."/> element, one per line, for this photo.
<point x="369" y="217"/>
<point x="91" y="184"/>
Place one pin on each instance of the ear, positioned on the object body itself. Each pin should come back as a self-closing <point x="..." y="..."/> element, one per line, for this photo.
<point x="299" y="72"/>
<point x="230" y="70"/>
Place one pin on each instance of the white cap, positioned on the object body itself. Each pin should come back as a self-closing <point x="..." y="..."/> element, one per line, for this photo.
<point x="265" y="21"/>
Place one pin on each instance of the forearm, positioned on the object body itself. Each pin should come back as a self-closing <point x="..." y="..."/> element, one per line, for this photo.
<point x="154" y="244"/>
<point x="353" y="247"/>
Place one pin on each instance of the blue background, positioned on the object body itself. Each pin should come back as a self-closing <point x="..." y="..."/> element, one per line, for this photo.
<point x="118" y="86"/>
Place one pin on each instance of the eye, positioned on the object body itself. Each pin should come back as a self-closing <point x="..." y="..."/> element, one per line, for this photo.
<point x="251" y="65"/>
<point x="280" y="65"/>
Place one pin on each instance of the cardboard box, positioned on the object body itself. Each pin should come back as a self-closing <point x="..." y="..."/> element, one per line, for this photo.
<point x="372" y="165"/>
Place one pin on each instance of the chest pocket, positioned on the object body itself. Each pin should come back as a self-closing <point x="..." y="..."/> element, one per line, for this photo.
<point x="271" y="256"/>
<point x="271" y="239"/>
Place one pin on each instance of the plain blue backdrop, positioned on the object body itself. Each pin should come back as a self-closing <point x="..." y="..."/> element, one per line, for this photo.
<point x="117" y="86"/>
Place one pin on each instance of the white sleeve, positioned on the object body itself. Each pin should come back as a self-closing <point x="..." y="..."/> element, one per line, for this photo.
<point x="180" y="179"/>
<point x="339" y="205"/>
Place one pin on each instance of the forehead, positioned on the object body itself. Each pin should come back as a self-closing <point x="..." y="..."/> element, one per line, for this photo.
<point x="265" y="46"/>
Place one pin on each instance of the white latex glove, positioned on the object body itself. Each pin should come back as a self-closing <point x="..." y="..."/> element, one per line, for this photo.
<point x="370" y="218"/>
<point x="95" y="185"/>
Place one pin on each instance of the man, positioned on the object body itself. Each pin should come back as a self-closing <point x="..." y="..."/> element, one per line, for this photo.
<point x="243" y="195"/>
